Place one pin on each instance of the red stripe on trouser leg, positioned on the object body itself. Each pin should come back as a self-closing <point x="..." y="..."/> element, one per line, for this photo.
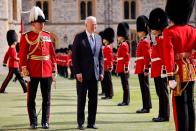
<point x="175" y="111"/>
<point x="28" y="84"/>
<point x="7" y="80"/>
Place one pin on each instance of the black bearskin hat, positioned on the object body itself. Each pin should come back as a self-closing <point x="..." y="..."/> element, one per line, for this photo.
<point x="179" y="11"/>
<point x="108" y="34"/>
<point x="158" y="19"/>
<point x="101" y="34"/>
<point x="142" y="24"/>
<point x="11" y="37"/>
<point x="70" y="47"/>
<point x="123" y="30"/>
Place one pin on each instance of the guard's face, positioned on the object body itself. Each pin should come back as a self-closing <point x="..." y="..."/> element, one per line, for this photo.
<point x="91" y="26"/>
<point x="156" y="32"/>
<point x="105" y="42"/>
<point x="38" y="26"/>
<point x="141" y="34"/>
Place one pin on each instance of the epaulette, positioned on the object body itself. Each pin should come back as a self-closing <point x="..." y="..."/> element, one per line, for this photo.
<point x="26" y="32"/>
<point x="46" y="31"/>
<point x="169" y="26"/>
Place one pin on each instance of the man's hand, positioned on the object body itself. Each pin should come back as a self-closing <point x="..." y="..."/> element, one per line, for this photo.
<point x="126" y="70"/>
<point x="110" y="69"/>
<point x="172" y="84"/>
<point x="79" y="77"/>
<point x="146" y="71"/>
<point x="25" y="72"/>
<point x="54" y="75"/>
<point x="100" y="77"/>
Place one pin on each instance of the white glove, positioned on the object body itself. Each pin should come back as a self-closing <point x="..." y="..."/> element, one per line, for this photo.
<point x="172" y="84"/>
<point x="54" y="75"/>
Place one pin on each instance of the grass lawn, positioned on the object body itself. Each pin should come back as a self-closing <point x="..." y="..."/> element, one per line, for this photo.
<point x="13" y="113"/>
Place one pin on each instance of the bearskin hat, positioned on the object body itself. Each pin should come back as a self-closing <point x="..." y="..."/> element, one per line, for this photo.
<point x="123" y="30"/>
<point x="101" y="34"/>
<point x="108" y="34"/>
<point x="36" y="15"/>
<point x="158" y="19"/>
<point x="70" y="47"/>
<point x="11" y="37"/>
<point x="179" y="11"/>
<point x="142" y="24"/>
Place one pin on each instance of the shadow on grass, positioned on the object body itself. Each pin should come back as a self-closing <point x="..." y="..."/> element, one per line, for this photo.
<point x="71" y="113"/>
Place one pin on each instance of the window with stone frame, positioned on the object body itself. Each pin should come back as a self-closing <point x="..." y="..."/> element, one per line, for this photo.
<point x="14" y="9"/>
<point x="129" y="9"/>
<point x="86" y="8"/>
<point x="44" y="5"/>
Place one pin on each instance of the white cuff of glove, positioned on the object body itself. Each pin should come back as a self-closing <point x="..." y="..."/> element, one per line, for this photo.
<point x="172" y="84"/>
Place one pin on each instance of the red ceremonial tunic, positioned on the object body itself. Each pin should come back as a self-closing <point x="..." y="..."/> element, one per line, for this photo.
<point x="10" y="58"/>
<point x="38" y="56"/>
<point x="108" y="58"/>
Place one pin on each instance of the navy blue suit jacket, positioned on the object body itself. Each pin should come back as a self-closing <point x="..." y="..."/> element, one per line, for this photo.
<point x="84" y="60"/>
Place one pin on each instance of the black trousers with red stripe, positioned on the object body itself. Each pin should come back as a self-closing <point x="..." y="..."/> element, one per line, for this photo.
<point x="185" y="108"/>
<point x="145" y="90"/>
<point x="11" y="72"/>
<point x="125" y="85"/>
<point x="162" y="93"/>
<point x="106" y="84"/>
<point x="45" y="85"/>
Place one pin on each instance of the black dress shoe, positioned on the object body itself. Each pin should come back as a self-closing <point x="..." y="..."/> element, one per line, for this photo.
<point x="4" y="92"/>
<point x="92" y="127"/>
<point x="160" y="119"/>
<point x="33" y="126"/>
<point x="143" y="111"/>
<point x="45" y="125"/>
<point x="122" y="104"/>
<point x="101" y="94"/>
<point x="80" y="127"/>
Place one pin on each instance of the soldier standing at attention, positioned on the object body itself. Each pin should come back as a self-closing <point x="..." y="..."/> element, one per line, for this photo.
<point x="157" y="22"/>
<point x="123" y="59"/>
<point x="37" y="60"/>
<point x="179" y="41"/>
<point x="108" y="39"/>
<point x="13" y="62"/>
<point x="142" y="62"/>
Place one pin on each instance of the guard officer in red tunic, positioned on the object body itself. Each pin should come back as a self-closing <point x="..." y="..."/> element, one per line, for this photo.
<point x="108" y="39"/>
<point x="37" y="60"/>
<point x="142" y="62"/>
<point x="179" y="41"/>
<point x="157" y="22"/>
<point x="123" y="59"/>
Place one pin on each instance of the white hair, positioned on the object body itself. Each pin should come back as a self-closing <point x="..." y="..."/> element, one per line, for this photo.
<point x="90" y="18"/>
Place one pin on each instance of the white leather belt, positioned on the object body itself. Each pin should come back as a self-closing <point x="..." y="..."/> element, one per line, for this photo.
<point x="155" y="59"/>
<point x="139" y="58"/>
<point x="120" y="58"/>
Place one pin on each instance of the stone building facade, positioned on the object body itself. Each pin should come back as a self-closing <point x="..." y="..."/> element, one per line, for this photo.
<point x="66" y="17"/>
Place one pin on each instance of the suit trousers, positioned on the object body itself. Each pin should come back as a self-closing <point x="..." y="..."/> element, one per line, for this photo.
<point x="125" y="85"/>
<point x="145" y="90"/>
<point x="9" y="77"/>
<point x="184" y="108"/>
<point x="45" y="85"/>
<point x="163" y="96"/>
<point x="92" y="87"/>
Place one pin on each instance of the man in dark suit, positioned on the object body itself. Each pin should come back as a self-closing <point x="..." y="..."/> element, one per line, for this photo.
<point x="88" y="68"/>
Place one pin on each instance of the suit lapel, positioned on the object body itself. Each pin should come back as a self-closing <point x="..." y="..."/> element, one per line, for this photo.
<point x="87" y="43"/>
